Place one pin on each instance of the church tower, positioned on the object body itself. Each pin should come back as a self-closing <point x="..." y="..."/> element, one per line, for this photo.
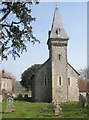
<point x="57" y="44"/>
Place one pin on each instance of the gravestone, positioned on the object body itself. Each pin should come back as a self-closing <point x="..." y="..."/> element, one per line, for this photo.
<point x="9" y="107"/>
<point x="87" y="99"/>
<point x="82" y="100"/>
<point x="57" y="109"/>
<point x="0" y="98"/>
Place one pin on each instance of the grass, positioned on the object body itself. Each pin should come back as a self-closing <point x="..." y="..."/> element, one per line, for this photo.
<point x="37" y="110"/>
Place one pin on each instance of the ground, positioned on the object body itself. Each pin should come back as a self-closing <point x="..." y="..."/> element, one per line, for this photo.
<point x="45" y="110"/>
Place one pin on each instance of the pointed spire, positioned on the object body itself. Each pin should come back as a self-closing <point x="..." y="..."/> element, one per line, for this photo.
<point x="57" y="30"/>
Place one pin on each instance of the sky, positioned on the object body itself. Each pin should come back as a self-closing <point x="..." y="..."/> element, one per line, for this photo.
<point x="74" y="19"/>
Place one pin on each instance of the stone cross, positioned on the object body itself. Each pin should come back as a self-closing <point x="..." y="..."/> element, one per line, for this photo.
<point x="57" y="109"/>
<point x="9" y="106"/>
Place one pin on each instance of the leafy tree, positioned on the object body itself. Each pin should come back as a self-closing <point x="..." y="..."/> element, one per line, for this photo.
<point x="27" y="75"/>
<point x="16" y="29"/>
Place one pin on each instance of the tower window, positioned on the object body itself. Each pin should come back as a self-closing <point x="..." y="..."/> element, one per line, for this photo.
<point x="45" y="82"/>
<point x="68" y="81"/>
<point x="59" y="57"/>
<point x="60" y="81"/>
<point x="58" y="31"/>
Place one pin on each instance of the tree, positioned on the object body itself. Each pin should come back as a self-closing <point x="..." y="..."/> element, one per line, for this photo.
<point x="27" y="75"/>
<point x="17" y="87"/>
<point x="84" y="73"/>
<point x="16" y="29"/>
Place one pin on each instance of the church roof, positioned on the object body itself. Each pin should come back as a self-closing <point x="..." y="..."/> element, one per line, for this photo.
<point x="73" y="68"/>
<point x="3" y="74"/>
<point x="57" y="30"/>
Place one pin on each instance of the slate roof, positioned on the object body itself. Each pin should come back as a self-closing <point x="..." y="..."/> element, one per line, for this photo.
<point x="73" y="68"/>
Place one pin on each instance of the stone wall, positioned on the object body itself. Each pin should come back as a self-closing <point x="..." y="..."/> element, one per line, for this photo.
<point x="59" y="69"/>
<point x="40" y="91"/>
<point x="73" y="89"/>
<point x="6" y="84"/>
<point x="51" y="70"/>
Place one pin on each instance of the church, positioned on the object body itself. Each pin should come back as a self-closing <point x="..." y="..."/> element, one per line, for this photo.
<point x="56" y="79"/>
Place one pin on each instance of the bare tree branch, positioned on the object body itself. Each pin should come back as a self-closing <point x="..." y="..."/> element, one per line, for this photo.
<point x="4" y="17"/>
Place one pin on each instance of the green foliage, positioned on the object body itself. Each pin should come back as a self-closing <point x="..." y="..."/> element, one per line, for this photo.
<point x="45" y="110"/>
<point x="27" y="75"/>
<point x="73" y="110"/>
<point x="15" y="23"/>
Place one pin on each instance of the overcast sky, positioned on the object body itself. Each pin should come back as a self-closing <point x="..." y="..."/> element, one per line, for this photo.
<point x="74" y="18"/>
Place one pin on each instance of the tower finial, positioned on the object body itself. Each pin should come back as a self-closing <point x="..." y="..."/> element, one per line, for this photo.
<point x="56" y="5"/>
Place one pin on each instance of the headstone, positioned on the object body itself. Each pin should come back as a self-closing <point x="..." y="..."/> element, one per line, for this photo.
<point x="0" y="98"/>
<point x="57" y="109"/>
<point x="9" y="106"/>
<point x="82" y="100"/>
<point x="87" y="99"/>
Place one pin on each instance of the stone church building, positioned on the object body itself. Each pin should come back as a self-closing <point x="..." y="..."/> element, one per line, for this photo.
<point x="5" y="81"/>
<point x="56" y="79"/>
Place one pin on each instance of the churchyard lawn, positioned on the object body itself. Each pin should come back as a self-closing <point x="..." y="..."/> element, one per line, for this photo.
<point x="44" y="110"/>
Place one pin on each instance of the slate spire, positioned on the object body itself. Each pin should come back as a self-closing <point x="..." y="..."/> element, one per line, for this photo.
<point x="57" y="30"/>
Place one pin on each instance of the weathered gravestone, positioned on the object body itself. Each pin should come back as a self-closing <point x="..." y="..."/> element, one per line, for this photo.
<point x="9" y="107"/>
<point x="0" y="98"/>
<point x="82" y="100"/>
<point x="87" y="99"/>
<point x="57" y="109"/>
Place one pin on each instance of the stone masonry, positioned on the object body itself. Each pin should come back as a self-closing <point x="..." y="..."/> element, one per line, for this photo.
<point x="56" y="79"/>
